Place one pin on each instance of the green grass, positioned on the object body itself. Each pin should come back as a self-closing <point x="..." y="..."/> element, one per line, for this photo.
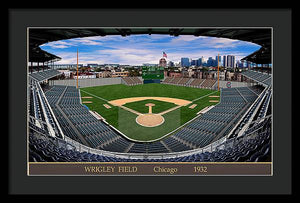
<point x="160" y="106"/>
<point x="125" y="121"/>
<point x="111" y="115"/>
<point x="187" y="113"/>
<point x="112" y="92"/>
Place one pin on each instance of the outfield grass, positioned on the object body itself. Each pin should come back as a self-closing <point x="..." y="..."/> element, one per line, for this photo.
<point x="125" y="121"/>
<point x="112" y="92"/>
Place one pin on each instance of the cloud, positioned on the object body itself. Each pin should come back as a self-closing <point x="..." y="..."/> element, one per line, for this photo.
<point x="139" y="49"/>
<point x="86" y="41"/>
<point x="184" y="38"/>
<point x="72" y="43"/>
<point x="58" y="44"/>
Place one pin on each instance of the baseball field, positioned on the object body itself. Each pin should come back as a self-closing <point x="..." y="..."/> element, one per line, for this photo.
<point x="147" y="112"/>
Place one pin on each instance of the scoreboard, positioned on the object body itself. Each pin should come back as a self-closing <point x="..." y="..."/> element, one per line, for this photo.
<point x="152" y="73"/>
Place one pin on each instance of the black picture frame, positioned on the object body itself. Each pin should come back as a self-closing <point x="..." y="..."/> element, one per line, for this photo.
<point x="278" y="19"/>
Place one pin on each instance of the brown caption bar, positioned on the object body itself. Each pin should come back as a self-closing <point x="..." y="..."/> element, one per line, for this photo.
<point x="163" y="168"/>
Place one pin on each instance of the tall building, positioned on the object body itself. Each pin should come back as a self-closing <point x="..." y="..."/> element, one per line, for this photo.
<point x="185" y="62"/>
<point x="163" y="62"/>
<point x="230" y="61"/>
<point x="224" y="61"/>
<point x="194" y="63"/>
<point x="210" y="62"/>
<point x="200" y="61"/>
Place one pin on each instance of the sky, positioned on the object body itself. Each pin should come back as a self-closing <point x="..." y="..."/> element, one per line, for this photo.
<point x="140" y="49"/>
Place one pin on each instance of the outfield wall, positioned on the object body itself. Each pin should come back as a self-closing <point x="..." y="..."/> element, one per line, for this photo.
<point x="223" y="84"/>
<point x="88" y="82"/>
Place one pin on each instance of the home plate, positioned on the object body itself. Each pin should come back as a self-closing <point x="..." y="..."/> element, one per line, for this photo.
<point x="192" y="106"/>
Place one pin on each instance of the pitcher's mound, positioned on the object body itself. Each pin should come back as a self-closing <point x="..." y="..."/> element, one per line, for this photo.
<point x="150" y="120"/>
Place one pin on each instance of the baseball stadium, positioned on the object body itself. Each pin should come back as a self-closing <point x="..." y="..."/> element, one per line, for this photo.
<point x="152" y="117"/>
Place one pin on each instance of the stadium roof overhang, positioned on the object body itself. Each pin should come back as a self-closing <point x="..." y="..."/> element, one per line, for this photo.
<point x="36" y="54"/>
<point x="260" y="36"/>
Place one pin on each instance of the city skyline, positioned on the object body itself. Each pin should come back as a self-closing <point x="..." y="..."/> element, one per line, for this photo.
<point x="140" y="49"/>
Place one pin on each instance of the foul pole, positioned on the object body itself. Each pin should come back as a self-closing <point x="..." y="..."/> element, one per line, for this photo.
<point x="218" y="74"/>
<point x="77" y="69"/>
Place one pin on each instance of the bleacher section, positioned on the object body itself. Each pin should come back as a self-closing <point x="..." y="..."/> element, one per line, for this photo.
<point x="136" y="80"/>
<point x="175" y="81"/>
<point x="183" y="81"/>
<point x="191" y="82"/>
<point x="167" y="80"/>
<point x="259" y="77"/>
<point x="196" y="82"/>
<point x="132" y="81"/>
<point x="44" y="75"/>
<point x="208" y="83"/>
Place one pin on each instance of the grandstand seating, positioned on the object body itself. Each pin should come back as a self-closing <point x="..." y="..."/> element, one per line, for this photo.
<point x="176" y="146"/>
<point x="155" y="147"/>
<point x="42" y="112"/>
<point x="248" y="115"/>
<point x="264" y="107"/>
<point x="207" y="127"/>
<point x="75" y="117"/>
<point x="259" y="77"/>
<point x="250" y="148"/>
<point x="44" y="75"/>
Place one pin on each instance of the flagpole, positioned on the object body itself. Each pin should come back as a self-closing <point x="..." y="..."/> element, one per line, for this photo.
<point x="218" y="74"/>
